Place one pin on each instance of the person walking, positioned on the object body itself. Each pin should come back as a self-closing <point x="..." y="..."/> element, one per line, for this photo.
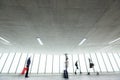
<point x="76" y="65"/>
<point x="91" y="65"/>
<point x="65" y="74"/>
<point x="27" y="65"/>
<point x="66" y="61"/>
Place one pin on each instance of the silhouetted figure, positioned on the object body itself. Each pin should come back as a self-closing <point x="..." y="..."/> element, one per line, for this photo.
<point x="76" y="65"/>
<point x="28" y="64"/>
<point x="66" y="61"/>
<point x="91" y="65"/>
<point x="65" y="74"/>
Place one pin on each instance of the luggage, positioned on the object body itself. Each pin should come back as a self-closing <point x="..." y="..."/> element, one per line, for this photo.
<point x="24" y="70"/>
<point x="91" y="65"/>
<point x="65" y="74"/>
<point x="88" y="73"/>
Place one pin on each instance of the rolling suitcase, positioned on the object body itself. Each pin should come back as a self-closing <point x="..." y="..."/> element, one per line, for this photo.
<point x="24" y="70"/>
<point x="65" y="74"/>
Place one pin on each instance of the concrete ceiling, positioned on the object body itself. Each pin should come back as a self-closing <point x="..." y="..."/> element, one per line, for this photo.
<point x="61" y="25"/>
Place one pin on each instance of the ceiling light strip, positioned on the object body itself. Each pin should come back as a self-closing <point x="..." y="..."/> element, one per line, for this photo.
<point x="114" y="40"/>
<point x="40" y="42"/>
<point x="4" y="40"/>
<point x="82" y="41"/>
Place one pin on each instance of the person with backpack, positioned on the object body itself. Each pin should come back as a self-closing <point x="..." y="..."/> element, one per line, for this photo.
<point x="91" y="65"/>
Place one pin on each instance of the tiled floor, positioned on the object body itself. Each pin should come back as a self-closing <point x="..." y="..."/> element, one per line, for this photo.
<point x="59" y="77"/>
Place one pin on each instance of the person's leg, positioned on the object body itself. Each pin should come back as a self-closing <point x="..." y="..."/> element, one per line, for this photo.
<point x="76" y="70"/>
<point x="26" y="75"/>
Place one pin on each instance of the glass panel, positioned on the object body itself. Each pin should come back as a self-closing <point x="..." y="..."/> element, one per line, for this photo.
<point x="8" y="63"/>
<point x="107" y="62"/>
<point x="100" y="59"/>
<point x="114" y="65"/>
<point x="70" y="64"/>
<point x="35" y="63"/>
<point x="117" y="59"/>
<point x="2" y="60"/>
<point x="96" y="64"/>
<point x="56" y="64"/>
<point x="82" y="63"/>
<point x="87" y="56"/>
<point x="49" y="64"/>
<point x="15" y="63"/>
<point x="75" y="58"/>
<point x="0" y="55"/>
<point x="62" y="63"/>
<point x="22" y="62"/>
<point x="42" y="63"/>
<point x="118" y="54"/>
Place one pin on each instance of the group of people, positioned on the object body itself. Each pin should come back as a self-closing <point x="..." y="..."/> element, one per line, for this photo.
<point x="65" y="73"/>
<point x="91" y="65"/>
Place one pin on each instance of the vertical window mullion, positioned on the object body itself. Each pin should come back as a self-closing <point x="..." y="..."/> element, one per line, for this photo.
<point x="32" y="62"/>
<point x="18" y="63"/>
<point x="104" y="62"/>
<point x="96" y="67"/>
<point x="110" y="62"/>
<point x="72" y="63"/>
<point x="116" y="61"/>
<point x="85" y="62"/>
<point x="79" y="63"/>
<point x="98" y="62"/>
<point x="1" y="56"/>
<point x="45" y="64"/>
<point x="82" y="63"/>
<point x="4" y="62"/>
<point x="11" y="62"/>
<point x="39" y="64"/>
<point x="22" y="62"/>
<point x="59" y="64"/>
<point x="52" y="62"/>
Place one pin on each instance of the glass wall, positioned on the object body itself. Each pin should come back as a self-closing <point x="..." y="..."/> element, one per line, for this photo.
<point x="82" y="63"/>
<point x="55" y="64"/>
<point x="22" y="62"/>
<point x="3" y="61"/>
<point x="35" y="63"/>
<point x="62" y="63"/>
<point x="42" y="64"/>
<point x="8" y="63"/>
<point x="14" y="64"/>
<point x="96" y="63"/>
<point x="49" y="63"/>
<point x="101" y="61"/>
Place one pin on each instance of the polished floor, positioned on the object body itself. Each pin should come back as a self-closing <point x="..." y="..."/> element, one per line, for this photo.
<point x="59" y="77"/>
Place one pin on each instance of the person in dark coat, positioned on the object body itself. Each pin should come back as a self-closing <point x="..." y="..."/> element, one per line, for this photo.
<point x="28" y="64"/>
